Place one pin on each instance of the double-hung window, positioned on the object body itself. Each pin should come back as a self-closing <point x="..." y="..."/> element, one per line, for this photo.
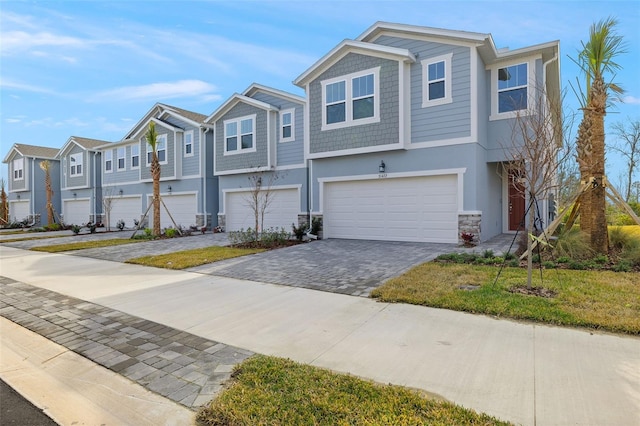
<point x="286" y="125"/>
<point x="121" y="158"/>
<point x="75" y="161"/>
<point x="351" y="100"/>
<point x="436" y="81"/>
<point x="18" y="169"/>
<point x="135" y="156"/>
<point x="239" y="135"/>
<point x="161" y="150"/>
<point x="188" y="143"/>
<point x="108" y="161"/>
<point x="512" y="88"/>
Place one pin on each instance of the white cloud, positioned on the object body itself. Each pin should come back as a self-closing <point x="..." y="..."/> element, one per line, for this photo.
<point x="158" y="91"/>
<point x="631" y="100"/>
<point x="19" y="41"/>
<point x="10" y="84"/>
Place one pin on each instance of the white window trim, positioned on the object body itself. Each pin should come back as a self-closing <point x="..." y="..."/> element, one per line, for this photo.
<point x="531" y="78"/>
<point x="239" y="149"/>
<point x="348" y="79"/>
<point x="132" y="166"/>
<point x="81" y="163"/>
<point x="108" y="157"/>
<point x="21" y="169"/>
<point x="190" y="132"/>
<point x="160" y="139"/>
<point x="124" y="158"/>
<point x="293" y="125"/>
<point x="448" y="81"/>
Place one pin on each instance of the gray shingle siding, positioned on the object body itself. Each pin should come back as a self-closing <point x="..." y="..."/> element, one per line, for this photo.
<point x="248" y="160"/>
<point x="166" y="170"/>
<point x="73" y="181"/>
<point x="117" y="176"/>
<point x="17" y="185"/>
<point x="358" y="136"/>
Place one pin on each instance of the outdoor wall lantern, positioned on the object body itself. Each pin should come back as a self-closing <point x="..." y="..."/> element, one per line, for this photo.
<point x="18" y="196"/>
<point x="382" y="167"/>
<point x="169" y="188"/>
<point x="74" y="195"/>
<point x="121" y="191"/>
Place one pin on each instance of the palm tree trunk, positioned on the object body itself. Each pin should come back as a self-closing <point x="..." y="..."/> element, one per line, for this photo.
<point x="599" y="230"/>
<point x="155" y="174"/>
<point x="583" y="147"/>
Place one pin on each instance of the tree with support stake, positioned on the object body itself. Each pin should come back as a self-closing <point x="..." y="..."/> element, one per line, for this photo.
<point x="152" y="140"/>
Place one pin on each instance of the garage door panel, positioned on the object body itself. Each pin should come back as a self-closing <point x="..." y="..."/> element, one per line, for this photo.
<point x="183" y="209"/>
<point x="76" y="212"/>
<point x="281" y="213"/>
<point x="19" y="210"/>
<point x="404" y="209"/>
<point x="126" y="209"/>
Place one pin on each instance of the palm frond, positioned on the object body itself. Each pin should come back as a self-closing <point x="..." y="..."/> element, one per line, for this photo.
<point x="152" y="136"/>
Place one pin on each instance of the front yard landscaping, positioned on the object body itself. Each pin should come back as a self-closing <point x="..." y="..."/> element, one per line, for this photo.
<point x="81" y="245"/>
<point x="274" y="391"/>
<point x="190" y="258"/>
<point x="595" y="299"/>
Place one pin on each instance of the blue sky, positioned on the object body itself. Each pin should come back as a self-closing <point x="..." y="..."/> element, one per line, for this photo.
<point x="94" y="68"/>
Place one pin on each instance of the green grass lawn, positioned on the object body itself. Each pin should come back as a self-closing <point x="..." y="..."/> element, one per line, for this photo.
<point x="191" y="258"/>
<point x="274" y="391"/>
<point x="81" y="245"/>
<point x="595" y="299"/>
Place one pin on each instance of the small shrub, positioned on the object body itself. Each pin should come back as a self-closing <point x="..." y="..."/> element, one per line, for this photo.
<point x="601" y="259"/>
<point x="75" y="229"/>
<point x="467" y="237"/>
<point x="298" y="231"/>
<point x="563" y="259"/>
<point x="274" y="237"/>
<point x="242" y="236"/>
<point x="631" y="255"/>
<point x="316" y="225"/>
<point x="622" y="266"/>
<point x="148" y="232"/>
<point x="170" y="232"/>
<point x="514" y="263"/>
<point x="576" y="265"/>
<point x="535" y="258"/>
<point x="120" y="224"/>
<point x="52" y="227"/>
<point x="487" y="254"/>
<point x="509" y="256"/>
<point x="549" y="264"/>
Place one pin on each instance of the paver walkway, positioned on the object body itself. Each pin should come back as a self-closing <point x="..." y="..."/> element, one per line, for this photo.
<point x="178" y="365"/>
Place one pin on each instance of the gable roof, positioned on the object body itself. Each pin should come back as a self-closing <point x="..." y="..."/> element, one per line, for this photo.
<point x="158" y="110"/>
<point x="31" y="151"/>
<point x="87" y="144"/>
<point x="255" y="87"/>
<point x="235" y="99"/>
<point x="352" y="46"/>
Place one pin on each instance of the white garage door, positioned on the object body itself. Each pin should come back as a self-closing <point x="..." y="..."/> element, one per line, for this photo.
<point x="183" y="208"/>
<point x="394" y="209"/>
<point x="19" y="210"/>
<point x="76" y="212"/>
<point x="125" y="208"/>
<point x="281" y="213"/>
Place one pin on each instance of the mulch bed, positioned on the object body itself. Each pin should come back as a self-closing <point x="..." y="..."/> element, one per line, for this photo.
<point x="533" y="291"/>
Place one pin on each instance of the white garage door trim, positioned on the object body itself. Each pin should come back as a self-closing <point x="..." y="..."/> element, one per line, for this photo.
<point x="79" y="213"/>
<point x="126" y="208"/>
<point x="183" y="207"/>
<point x="282" y="212"/>
<point x="393" y="207"/>
<point x="19" y="210"/>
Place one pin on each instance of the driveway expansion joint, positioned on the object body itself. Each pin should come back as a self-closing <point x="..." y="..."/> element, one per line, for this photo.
<point x="183" y="367"/>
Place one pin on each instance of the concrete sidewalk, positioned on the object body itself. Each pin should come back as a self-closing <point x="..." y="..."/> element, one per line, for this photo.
<point x="524" y="373"/>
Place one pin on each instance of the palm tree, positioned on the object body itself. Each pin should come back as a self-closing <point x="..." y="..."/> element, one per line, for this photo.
<point x="4" y="205"/>
<point x="46" y="168"/>
<point x="152" y="140"/>
<point x="596" y="59"/>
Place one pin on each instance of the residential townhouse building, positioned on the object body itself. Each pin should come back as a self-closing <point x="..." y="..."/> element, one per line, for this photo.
<point x="259" y="151"/>
<point x="26" y="190"/>
<point x="405" y="132"/>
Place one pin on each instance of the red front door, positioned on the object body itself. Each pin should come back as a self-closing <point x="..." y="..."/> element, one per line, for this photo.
<point x="516" y="203"/>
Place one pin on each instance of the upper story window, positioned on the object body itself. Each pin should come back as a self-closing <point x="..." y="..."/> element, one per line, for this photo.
<point x="239" y="135"/>
<point x="135" y="156"/>
<point x="76" y="164"/>
<point x="286" y="125"/>
<point x="188" y="143"/>
<point x="108" y="161"/>
<point x="351" y="100"/>
<point x="512" y="88"/>
<point x="436" y="81"/>
<point x="121" y="157"/>
<point x="18" y="169"/>
<point x="161" y="150"/>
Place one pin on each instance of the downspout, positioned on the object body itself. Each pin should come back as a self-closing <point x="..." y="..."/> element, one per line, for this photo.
<point x="93" y="189"/>
<point x="203" y="172"/>
<point x="32" y="195"/>
<point x="544" y="82"/>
